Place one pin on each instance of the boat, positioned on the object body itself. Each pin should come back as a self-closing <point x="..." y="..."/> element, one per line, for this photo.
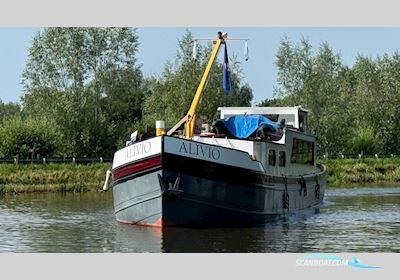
<point x="255" y="165"/>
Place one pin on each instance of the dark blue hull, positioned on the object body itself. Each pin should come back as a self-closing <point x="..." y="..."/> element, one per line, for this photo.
<point x="177" y="191"/>
<point x="198" y="213"/>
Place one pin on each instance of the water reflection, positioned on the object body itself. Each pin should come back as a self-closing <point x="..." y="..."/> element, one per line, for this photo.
<point x="360" y="220"/>
<point x="138" y="239"/>
<point x="280" y="236"/>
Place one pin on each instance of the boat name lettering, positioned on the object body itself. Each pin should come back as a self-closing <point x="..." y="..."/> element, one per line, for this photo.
<point x="138" y="149"/>
<point x="200" y="150"/>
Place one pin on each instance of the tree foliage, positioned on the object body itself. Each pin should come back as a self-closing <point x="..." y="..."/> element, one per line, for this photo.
<point x="353" y="109"/>
<point x="29" y="138"/>
<point x="364" y="141"/>
<point x="9" y="110"/>
<point x="86" y="86"/>
<point x="89" y="82"/>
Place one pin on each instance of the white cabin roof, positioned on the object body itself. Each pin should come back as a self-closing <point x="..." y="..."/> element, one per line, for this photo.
<point x="290" y="114"/>
<point x="260" y="110"/>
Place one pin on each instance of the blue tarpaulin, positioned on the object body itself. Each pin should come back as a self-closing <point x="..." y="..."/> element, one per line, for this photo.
<point x="244" y="126"/>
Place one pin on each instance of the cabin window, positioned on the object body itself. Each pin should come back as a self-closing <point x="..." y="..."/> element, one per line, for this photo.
<point x="282" y="158"/>
<point x="302" y="152"/>
<point x="302" y="121"/>
<point x="272" y="157"/>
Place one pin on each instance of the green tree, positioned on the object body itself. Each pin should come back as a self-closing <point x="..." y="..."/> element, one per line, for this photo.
<point x="320" y="82"/>
<point x="241" y="97"/>
<point x="29" y="138"/>
<point x="88" y="81"/>
<point x="352" y="109"/>
<point x="376" y="97"/>
<point x="271" y="102"/>
<point x="364" y="141"/>
<point x="9" y="110"/>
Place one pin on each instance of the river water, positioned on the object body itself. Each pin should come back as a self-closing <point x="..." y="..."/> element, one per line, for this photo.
<point x="351" y="219"/>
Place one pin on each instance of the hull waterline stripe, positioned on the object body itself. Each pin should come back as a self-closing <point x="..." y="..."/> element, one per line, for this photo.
<point x="138" y="198"/>
<point x="136" y="167"/>
<point x="248" y="211"/>
<point x="136" y="203"/>
<point x="133" y="176"/>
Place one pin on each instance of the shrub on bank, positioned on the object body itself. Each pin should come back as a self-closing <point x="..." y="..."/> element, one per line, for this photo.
<point x="28" y="138"/>
<point x="364" y="170"/>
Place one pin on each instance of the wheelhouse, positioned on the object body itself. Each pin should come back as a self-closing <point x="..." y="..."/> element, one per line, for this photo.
<point x="293" y="154"/>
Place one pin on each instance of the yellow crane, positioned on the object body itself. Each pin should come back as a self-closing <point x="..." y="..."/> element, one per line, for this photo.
<point x="190" y="118"/>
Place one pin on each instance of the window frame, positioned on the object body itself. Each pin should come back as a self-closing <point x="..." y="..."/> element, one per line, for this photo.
<point x="302" y="152"/>
<point x="273" y="151"/>
<point x="282" y="158"/>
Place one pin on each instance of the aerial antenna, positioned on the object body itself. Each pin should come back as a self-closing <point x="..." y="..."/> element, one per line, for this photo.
<point x="195" y="50"/>
<point x="225" y="36"/>
<point x="246" y="51"/>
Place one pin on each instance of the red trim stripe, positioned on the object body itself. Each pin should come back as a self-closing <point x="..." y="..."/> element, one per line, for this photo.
<point x="136" y="167"/>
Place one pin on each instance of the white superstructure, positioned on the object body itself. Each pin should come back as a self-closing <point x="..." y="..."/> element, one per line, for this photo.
<point x="293" y="155"/>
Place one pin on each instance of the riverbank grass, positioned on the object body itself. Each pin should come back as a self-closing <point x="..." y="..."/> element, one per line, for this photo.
<point x="362" y="171"/>
<point x="52" y="177"/>
<point x="56" y="177"/>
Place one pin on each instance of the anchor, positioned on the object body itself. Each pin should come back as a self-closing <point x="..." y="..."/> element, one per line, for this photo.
<point x="169" y="187"/>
